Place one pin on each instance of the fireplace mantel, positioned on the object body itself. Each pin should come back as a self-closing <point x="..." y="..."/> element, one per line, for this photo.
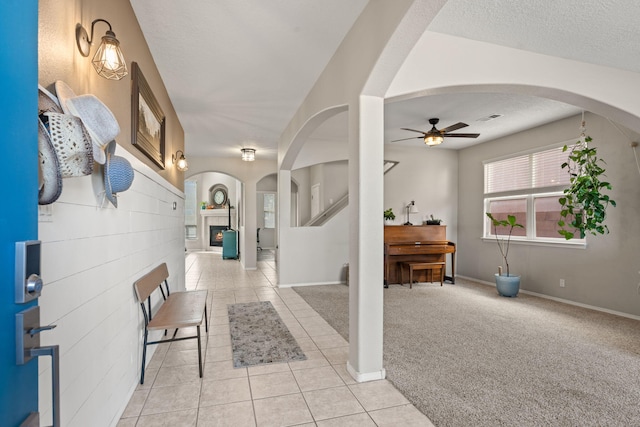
<point x="217" y="212"/>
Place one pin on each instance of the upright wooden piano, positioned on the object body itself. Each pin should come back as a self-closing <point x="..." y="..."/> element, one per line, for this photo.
<point x="418" y="243"/>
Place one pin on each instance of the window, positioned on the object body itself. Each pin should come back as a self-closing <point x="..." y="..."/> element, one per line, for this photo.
<point x="527" y="186"/>
<point x="269" y="206"/>
<point x="190" y="210"/>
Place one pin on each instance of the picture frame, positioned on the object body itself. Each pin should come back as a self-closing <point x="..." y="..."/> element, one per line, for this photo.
<point x="147" y="119"/>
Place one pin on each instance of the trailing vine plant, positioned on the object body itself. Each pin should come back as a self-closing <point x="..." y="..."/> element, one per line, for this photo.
<point x="584" y="204"/>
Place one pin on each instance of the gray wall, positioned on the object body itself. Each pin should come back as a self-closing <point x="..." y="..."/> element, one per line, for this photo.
<point x="606" y="273"/>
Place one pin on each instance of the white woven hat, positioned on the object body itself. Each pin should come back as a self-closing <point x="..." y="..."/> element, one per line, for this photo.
<point x="72" y="143"/>
<point x="96" y="117"/>
<point x="51" y="186"/>
<point x="118" y="174"/>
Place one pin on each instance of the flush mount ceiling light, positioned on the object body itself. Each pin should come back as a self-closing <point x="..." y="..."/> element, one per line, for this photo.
<point x="248" y="154"/>
<point x="108" y="60"/>
<point x="180" y="162"/>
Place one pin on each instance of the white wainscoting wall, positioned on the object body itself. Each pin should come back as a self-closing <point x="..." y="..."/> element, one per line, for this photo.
<point x="91" y="255"/>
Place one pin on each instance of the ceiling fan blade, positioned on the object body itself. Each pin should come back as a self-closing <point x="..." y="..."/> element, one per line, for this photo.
<point x="461" y="135"/>
<point x="404" y="139"/>
<point x="413" y="130"/>
<point x="451" y="128"/>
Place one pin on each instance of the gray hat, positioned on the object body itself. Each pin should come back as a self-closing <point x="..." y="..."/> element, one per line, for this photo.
<point x="51" y="186"/>
<point x="50" y="177"/>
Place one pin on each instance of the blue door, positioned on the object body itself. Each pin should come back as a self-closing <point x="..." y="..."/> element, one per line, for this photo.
<point x="19" y="191"/>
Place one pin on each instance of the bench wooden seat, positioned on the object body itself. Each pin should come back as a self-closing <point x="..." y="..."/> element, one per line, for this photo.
<point x="178" y="310"/>
<point x="429" y="266"/>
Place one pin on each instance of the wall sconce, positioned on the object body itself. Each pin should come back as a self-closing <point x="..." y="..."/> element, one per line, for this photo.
<point x="108" y="60"/>
<point x="248" y="154"/>
<point x="182" y="164"/>
<point x="411" y="209"/>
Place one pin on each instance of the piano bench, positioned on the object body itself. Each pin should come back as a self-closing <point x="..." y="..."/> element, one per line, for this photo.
<point x="430" y="266"/>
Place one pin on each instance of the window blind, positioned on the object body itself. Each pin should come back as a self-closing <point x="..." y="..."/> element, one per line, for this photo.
<point x="534" y="170"/>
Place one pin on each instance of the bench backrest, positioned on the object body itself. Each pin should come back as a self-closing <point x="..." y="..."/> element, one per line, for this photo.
<point x="150" y="281"/>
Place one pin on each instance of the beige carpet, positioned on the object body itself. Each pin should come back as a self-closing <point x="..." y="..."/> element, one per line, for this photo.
<point x="465" y="356"/>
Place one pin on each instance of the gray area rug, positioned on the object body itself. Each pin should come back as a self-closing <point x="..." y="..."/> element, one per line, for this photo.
<point x="465" y="356"/>
<point x="259" y="336"/>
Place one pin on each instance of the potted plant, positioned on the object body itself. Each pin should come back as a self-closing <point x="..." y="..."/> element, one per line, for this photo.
<point x="507" y="285"/>
<point x="433" y="221"/>
<point x="389" y="215"/>
<point x="584" y="205"/>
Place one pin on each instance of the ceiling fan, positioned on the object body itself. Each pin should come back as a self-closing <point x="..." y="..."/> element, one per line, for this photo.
<point x="436" y="136"/>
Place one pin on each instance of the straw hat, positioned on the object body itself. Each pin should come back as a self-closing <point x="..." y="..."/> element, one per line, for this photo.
<point x="96" y="117"/>
<point x="118" y="174"/>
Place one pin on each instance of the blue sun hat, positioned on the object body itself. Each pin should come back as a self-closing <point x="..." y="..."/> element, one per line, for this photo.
<point x="118" y="174"/>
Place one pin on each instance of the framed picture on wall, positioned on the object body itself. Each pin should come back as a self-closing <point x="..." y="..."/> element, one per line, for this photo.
<point x="147" y="119"/>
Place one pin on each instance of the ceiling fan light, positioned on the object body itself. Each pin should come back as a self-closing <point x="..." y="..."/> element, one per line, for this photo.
<point x="432" y="140"/>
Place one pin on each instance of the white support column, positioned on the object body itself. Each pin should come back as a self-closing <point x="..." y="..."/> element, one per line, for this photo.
<point x="366" y="236"/>
<point x="249" y="245"/>
<point x="283" y="212"/>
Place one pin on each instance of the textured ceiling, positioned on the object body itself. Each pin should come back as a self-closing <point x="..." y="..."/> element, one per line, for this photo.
<point x="237" y="70"/>
<point x="604" y="32"/>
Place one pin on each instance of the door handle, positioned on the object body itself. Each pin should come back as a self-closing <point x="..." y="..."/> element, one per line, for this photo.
<point x="28" y="346"/>
<point x="37" y="330"/>
<point x="54" y="352"/>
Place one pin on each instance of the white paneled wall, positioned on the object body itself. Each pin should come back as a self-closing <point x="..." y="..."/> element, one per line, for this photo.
<point x="91" y="255"/>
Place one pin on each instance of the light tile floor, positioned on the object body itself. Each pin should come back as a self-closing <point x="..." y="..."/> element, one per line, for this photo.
<point x="314" y="392"/>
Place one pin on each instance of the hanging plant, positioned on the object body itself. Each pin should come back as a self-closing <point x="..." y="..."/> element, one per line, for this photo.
<point x="584" y="205"/>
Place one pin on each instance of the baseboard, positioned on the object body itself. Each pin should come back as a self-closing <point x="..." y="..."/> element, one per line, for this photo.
<point x="364" y="377"/>
<point x="290" y="285"/>
<point x="562" y="300"/>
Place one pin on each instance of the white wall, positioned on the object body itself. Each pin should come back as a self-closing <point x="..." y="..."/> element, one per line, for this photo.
<point x="335" y="182"/>
<point x="302" y="178"/>
<point x="605" y="274"/>
<point x="91" y="256"/>
<point x="321" y="255"/>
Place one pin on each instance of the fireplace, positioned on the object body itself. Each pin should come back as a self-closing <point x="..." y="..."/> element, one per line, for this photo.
<point x="215" y="234"/>
<point x="214" y="220"/>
